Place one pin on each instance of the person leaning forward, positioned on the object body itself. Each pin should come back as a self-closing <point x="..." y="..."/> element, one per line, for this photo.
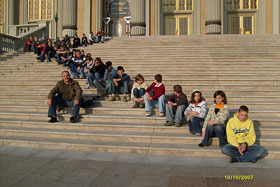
<point x="66" y="93"/>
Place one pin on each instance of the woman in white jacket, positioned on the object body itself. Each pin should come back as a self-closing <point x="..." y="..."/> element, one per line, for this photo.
<point x="196" y="113"/>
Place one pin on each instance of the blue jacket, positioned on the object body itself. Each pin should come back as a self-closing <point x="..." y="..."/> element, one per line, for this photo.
<point x="113" y="73"/>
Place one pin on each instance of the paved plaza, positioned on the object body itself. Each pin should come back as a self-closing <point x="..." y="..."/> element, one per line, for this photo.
<point x="27" y="167"/>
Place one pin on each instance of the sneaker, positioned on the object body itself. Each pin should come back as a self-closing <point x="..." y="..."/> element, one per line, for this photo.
<point x="162" y="114"/>
<point x="233" y="160"/>
<point x="141" y="105"/>
<point x="128" y="97"/>
<point x="177" y="124"/>
<point x="124" y="98"/>
<point x="87" y="86"/>
<point x="168" y="123"/>
<point x="111" y="98"/>
<point x="148" y="114"/>
<point x="49" y="61"/>
<point x="73" y="119"/>
<point x="93" y="87"/>
<point x="136" y="105"/>
<point x="197" y="134"/>
<point x="53" y="120"/>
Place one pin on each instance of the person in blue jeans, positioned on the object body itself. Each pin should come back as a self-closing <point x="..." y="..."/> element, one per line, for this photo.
<point x="138" y="91"/>
<point x="158" y="98"/>
<point x="241" y="138"/>
<point x="77" y="65"/>
<point x="196" y="113"/>
<point x="66" y="93"/>
<point x="121" y="83"/>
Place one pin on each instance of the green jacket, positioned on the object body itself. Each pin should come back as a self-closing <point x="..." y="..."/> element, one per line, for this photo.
<point x="69" y="92"/>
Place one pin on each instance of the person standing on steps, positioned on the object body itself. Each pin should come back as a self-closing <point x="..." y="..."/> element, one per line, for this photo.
<point x="241" y="138"/>
<point x="66" y="93"/>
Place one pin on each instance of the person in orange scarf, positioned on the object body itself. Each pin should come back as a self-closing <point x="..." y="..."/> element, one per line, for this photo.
<point x="215" y="120"/>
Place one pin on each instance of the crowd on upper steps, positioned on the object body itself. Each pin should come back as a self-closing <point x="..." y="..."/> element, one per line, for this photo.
<point x="236" y="135"/>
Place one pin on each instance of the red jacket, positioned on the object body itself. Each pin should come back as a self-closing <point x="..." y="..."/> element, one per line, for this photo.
<point x="158" y="90"/>
<point x="25" y="44"/>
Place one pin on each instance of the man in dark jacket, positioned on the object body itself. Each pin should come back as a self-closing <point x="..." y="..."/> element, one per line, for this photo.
<point x="176" y="105"/>
<point x="66" y="93"/>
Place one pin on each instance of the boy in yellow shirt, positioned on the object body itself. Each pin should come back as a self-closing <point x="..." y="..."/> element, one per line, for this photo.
<point x="241" y="138"/>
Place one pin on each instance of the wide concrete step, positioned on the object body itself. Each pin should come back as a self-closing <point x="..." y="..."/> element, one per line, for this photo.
<point x="109" y="104"/>
<point x="123" y="147"/>
<point x="112" y="118"/>
<point x="117" y="127"/>
<point x="121" y="110"/>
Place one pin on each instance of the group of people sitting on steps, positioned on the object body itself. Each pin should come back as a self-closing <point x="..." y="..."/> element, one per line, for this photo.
<point x="236" y="137"/>
<point x="60" y="49"/>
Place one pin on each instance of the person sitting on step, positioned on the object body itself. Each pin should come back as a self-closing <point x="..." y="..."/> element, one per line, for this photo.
<point x="121" y="83"/>
<point x="89" y="72"/>
<point x="84" y="40"/>
<point x="241" y="138"/>
<point x="215" y="120"/>
<point x="76" y="41"/>
<point x="106" y="86"/>
<point x="77" y="65"/>
<point x="28" y="45"/>
<point x="196" y="113"/>
<point x="175" y="107"/>
<point x="66" y="93"/>
<point x="158" y="98"/>
<point x="138" y="91"/>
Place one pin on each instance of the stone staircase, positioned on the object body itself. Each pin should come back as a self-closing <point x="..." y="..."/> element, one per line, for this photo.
<point x="245" y="67"/>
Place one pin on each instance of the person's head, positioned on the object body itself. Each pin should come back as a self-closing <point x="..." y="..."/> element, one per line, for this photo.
<point x="177" y="90"/>
<point x="98" y="61"/>
<point x="220" y="97"/>
<point x="91" y="32"/>
<point x="78" y="53"/>
<point x="67" y="50"/>
<point x="65" y="76"/>
<point x="35" y="38"/>
<point x="82" y="52"/>
<point x="158" y="78"/>
<point x="62" y="48"/>
<point x="66" y="36"/>
<point x="243" y="113"/>
<point x="74" y="52"/>
<point x="45" y="44"/>
<point x="88" y="59"/>
<point x="49" y="43"/>
<point x="76" y="36"/>
<point x="100" y="30"/>
<point x="30" y="38"/>
<point x="196" y="97"/>
<point x="139" y="79"/>
<point x="120" y="71"/>
<point x="55" y="47"/>
<point x="84" y="35"/>
<point x="109" y="65"/>
<point x="88" y="54"/>
<point x="57" y="39"/>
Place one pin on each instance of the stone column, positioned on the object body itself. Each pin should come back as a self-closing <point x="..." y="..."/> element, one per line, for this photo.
<point x="213" y="16"/>
<point x="276" y="15"/>
<point x="87" y="19"/>
<point x="60" y="18"/>
<point x="11" y="12"/>
<point x="157" y="16"/>
<point x="99" y="14"/>
<point x="147" y="17"/>
<point x="138" y="16"/>
<point x="24" y="11"/>
<point x="69" y="17"/>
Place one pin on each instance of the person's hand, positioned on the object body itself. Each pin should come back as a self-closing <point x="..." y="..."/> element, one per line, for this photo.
<point x="76" y="102"/>
<point x="79" y="68"/>
<point x="49" y="102"/>
<point x="189" y="117"/>
<point x="211" y="123"/>
<point x="243" y="147"/>
<point x="195" y="113"/>
<point x="67" y="67"/>
<point x="85" y="70"/>
<point x="240" y="150"/>
<point x="170" y="104"/>
<point x="203" y="134"/>
<point x="115" y="82"/>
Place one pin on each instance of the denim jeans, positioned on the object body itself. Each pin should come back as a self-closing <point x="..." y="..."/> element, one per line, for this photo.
<point x="138" y="93"/>
<point x="42" y="58"/>
<point x="175" y="113"/>
<point x="74" y="71"/>
<point x="122" y="87"/>
<point x="61" y="102"/>
<point x="159" y="103"/>
<point x="104" y="87"/>
<point x="34" y="49"/>
<point x="213" y="131"/>
<point x="99" y="38"/>
<point x="253" y="152"/>
<point x="195" y="124"/>
<point x="90" y="78"/>
<point x="58" y="58"/>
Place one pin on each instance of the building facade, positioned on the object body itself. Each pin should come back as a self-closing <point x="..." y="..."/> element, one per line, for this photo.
<point x="142" y="17"/>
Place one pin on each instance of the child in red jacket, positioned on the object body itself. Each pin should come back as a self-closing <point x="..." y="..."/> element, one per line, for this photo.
<point x="157" y="100"/>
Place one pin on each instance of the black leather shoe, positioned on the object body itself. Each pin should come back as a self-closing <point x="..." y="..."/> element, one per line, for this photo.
<point x="232" y="160"/>
<point x="52" y="120"/>
<point x="201" y="145"/>
<point x="73" y="119"/>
